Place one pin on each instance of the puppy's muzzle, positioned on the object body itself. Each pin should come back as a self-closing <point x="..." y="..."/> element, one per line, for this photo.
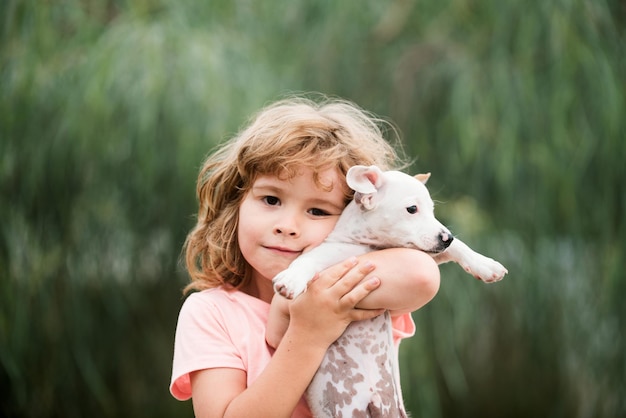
<point x="445" y="239"/>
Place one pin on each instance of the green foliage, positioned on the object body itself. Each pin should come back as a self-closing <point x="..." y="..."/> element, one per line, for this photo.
<point x="108" y="108"/>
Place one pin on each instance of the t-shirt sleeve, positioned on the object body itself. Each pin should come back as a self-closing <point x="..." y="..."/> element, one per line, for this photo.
<point x="403" y="327"/>
<point x="202" y="342"/>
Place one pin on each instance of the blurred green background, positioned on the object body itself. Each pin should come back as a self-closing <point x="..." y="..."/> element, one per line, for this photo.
<point x="517" y="107"/>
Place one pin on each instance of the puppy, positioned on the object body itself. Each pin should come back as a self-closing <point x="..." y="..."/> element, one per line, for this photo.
<point x="359" y="375"/>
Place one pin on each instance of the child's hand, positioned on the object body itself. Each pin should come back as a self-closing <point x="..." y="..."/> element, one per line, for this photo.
<point x="322" y="313"/>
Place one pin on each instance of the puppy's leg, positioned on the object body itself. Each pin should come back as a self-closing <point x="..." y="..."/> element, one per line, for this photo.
<point x="293" y="281"/>
<point x="479" y="266"/>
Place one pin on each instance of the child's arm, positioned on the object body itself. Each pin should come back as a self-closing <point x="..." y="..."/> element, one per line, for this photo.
<point x="317" y="318"/>
<point x="409" y="280"/>
<point x="278" y="320"/>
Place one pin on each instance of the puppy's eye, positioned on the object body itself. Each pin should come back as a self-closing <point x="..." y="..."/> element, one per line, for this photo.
<point x="412" y="209"/>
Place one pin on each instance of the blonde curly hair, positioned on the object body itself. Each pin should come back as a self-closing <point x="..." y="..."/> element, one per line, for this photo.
<point x="283" y="138"/>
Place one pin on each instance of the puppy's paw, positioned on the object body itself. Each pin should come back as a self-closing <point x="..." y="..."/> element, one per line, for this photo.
<point x="486" y="269"/>
<point x="288" y="284"/>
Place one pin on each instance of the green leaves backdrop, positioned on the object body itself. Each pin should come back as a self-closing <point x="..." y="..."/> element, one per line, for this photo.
<point x="107" y="109"/>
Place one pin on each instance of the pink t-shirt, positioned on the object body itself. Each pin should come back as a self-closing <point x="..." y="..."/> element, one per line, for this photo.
<point x="219" y="328"/>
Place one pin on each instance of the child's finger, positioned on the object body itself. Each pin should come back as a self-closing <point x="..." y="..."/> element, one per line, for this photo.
<point x="363" y="314"/>
<point x="351" y="279"/>
<point x="356" y="294"/>
<point x="333" y="274"/>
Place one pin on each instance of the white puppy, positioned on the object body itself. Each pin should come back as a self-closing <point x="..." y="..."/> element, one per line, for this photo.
<point x="389" y="209"/>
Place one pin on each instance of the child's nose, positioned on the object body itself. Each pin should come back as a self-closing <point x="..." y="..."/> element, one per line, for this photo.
<point x="287" y="226"/>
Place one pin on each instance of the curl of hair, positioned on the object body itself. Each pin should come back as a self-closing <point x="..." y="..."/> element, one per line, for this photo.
<point x="281" y="140"/>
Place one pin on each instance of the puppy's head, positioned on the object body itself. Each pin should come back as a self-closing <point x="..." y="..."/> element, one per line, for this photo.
<point x="397" y="209"/>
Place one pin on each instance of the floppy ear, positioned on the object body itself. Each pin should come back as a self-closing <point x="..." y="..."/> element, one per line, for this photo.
<point x="365" y="181"/>
<point x="422" y="177"/>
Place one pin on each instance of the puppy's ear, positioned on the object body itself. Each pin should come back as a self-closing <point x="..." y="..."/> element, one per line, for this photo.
<point x="364" y="200"/>
<point x="364" y="179"/>
<point x="422" y="177"/>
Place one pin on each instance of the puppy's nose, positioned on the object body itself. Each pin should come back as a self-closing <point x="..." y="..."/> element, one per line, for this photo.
<point x="445" y="238"/>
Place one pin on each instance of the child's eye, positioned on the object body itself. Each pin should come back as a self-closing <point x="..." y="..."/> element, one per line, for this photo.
<point x="318" y="212"/>
<point x="271" y="200"/>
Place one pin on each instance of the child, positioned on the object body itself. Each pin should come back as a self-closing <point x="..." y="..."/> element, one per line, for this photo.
<point x="269" y="194"/>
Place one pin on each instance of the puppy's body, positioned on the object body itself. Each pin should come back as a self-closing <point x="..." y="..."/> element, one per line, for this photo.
<point x="359" y="375"/>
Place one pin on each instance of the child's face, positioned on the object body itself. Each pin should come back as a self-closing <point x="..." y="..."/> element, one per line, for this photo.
<point x="281" y="219"/>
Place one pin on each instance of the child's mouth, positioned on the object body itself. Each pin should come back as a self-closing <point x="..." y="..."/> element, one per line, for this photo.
<point x="284" y="251"/>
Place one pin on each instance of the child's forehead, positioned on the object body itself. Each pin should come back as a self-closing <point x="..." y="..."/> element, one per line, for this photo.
<point x="328" y="179"/>
<point x="326" y="176"/>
